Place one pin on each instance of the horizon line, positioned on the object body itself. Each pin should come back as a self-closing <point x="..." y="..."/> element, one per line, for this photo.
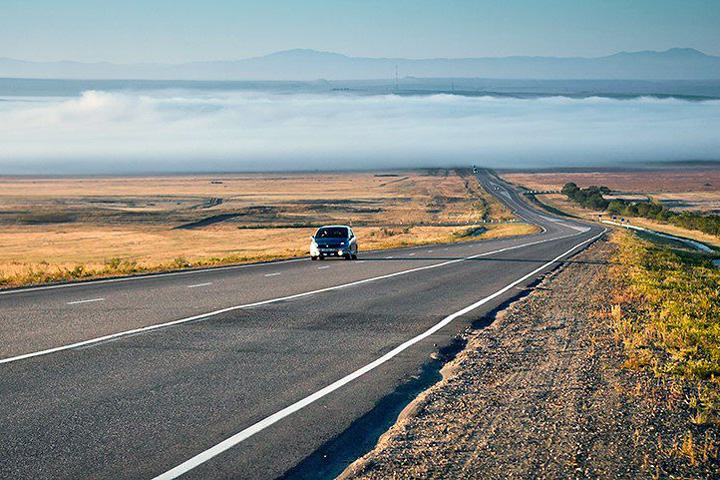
<point x="329" y="52"/>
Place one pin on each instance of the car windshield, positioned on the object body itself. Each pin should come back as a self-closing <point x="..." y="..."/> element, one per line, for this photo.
<point x="332" y="232"/>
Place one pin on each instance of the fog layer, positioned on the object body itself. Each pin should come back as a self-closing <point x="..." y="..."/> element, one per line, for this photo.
<point x="101" y="132"/>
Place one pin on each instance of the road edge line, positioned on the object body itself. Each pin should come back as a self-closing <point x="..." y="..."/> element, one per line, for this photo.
<point x="257" y="427"/>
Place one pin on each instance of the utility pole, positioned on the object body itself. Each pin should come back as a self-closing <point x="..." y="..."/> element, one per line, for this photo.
<point x="397" y="80"/>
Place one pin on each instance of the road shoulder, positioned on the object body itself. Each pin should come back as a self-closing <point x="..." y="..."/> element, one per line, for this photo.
<point x="541" y="393"/>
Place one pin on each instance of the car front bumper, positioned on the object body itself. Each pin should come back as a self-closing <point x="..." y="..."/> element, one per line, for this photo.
<point x="329" y="252"/>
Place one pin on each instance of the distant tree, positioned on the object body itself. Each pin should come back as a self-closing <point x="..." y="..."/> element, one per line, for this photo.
<point x="570" y="189"/>
<point x="631" y="210"/>
<point x="616" y="207"/>
<point x="590" y="197"/>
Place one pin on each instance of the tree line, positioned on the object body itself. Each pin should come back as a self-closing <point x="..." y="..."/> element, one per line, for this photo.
<point x="592" y="198"/>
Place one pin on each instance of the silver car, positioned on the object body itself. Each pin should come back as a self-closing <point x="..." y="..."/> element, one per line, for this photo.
<point x="334" y="241"/>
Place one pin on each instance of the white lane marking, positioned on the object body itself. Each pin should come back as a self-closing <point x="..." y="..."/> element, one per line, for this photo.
<point x="388" y="257"/>
<point x="411" y="254"/>
<point x="326" y="266"/>
<point x="232" y="441"/>
<point x="200" y="285"/>
<point x="148" y="277"/>
<point x="273" y="274"/>
<point x="360" y="261"/>
<point x="77" y="302"/>
<point x="205" y="316"/>
<point x="430" y="251"/>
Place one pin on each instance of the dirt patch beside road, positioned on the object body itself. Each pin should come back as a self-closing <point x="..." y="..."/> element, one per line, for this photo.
<point x="541" y="393"/>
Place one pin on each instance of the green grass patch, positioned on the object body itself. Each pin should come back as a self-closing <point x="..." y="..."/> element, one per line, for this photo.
<point x="666" y="313"/>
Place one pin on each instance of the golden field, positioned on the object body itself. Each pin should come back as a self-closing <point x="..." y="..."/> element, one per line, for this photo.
<point x="66" y="228"/>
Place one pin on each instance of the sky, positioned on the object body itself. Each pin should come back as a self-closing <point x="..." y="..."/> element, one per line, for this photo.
<point x="175" y="31"/>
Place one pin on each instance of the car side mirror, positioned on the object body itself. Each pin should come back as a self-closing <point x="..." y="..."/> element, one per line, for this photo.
<point x="312" y="237"/>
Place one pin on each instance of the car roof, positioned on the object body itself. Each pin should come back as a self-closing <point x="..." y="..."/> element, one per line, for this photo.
<point x="333" y="226"/>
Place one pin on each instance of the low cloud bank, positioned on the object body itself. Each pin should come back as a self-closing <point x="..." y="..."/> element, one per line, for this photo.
<point x="101" y="132"/>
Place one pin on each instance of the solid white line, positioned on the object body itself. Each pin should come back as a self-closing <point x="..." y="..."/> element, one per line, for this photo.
<point x="147" y="277"/>
<point x="77" y="302"/>
<point x="326" y="266"/>
<point x="204" y="316"/>
<point x="200" y="285"/>
<point x="273" y="274"/>
<point x="289" y="410"/>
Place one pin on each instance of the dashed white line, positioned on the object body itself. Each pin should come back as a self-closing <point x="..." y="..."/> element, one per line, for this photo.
<point x="200" y="285"/>
<point x="90" y="300"/>
<point x="323" y="267"/>
<point x="388" y="257"/>
<point x="208" y="315"/>
<point x="411" y="254"/>
<point x="273" y="274"/>
<point x="149" y="276"/>
<point x="232" y="441"/>
<point x="430" y="251"/>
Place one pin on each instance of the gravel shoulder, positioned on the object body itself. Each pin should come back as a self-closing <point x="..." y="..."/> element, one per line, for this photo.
<point x="542" y="393"/>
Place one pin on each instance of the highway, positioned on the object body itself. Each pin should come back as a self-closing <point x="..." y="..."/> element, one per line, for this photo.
<point x="241" y="372"/>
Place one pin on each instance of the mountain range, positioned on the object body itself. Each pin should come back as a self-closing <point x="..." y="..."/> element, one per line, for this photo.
<point x="309" y="65"/>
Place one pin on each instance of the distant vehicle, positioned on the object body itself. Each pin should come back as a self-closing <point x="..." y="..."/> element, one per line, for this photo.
<point x="334" y="241"/>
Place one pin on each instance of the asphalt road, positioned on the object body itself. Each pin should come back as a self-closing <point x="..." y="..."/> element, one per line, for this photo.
<point x="240" y="372"/>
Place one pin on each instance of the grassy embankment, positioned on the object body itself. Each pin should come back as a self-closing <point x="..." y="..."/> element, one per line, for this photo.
<point x="666" y="314"/>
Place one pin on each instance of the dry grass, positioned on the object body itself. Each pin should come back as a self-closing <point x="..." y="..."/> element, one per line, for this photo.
<point x="666" y="313"/>
<point x="58" y="229"/>
<point x="407" y="197"/>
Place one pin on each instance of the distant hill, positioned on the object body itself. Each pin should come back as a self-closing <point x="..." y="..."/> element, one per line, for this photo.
<point x="307" y="65"/>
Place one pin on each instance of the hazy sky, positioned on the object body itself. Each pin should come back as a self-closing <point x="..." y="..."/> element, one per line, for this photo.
<point x="127" y="31"/>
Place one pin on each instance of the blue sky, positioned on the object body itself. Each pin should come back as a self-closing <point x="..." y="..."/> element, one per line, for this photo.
<point x="173" y="31"/>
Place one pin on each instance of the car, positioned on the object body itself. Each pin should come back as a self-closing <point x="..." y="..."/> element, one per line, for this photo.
<point x="334" y="241"/>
